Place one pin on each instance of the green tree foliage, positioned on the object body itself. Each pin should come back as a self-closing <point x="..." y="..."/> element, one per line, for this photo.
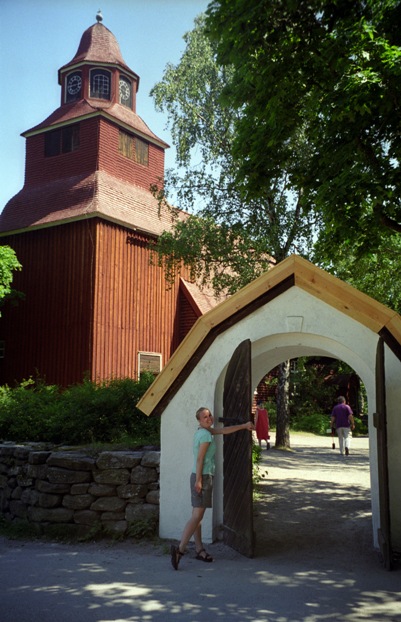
<point x="327" y="71"/>
<point x="230" y="237"/>
<point x="377" y="274"/>
<point x="311" y="392"/>
<point x="315" y="384"/>
<point x="8" y="263"/>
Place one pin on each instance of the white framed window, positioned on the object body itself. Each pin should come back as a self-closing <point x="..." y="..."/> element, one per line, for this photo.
<point x="149" y="361"/>
<point x="100" y="80"/>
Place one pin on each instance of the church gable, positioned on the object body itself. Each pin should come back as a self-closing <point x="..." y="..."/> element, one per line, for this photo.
<point x="294" y="271"/>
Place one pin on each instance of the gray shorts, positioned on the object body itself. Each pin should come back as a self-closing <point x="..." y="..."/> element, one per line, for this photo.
<point x="204" y="498"/>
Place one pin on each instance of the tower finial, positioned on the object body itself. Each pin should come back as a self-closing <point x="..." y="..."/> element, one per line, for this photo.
<point x="99" y="16"/>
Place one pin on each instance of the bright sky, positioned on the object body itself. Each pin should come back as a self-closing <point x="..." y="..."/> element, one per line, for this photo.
<point x="37" y="37"/>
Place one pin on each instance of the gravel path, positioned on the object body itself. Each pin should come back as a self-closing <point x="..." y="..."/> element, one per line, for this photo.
<point x="314" y="560"/>
<point x="311" y="495"/>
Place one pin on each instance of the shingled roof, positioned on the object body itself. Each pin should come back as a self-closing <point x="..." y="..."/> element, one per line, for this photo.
<point x="99" y="45"/>
<point x="86" y="109"/>
<point x="83" y="196"/>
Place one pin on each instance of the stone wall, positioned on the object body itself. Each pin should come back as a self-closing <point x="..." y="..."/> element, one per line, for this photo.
<point x="72" y="493"/>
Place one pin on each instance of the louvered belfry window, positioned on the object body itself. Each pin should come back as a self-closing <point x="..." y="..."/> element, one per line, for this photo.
<point x="63" y="140"/>
<point x="133" y="148"/>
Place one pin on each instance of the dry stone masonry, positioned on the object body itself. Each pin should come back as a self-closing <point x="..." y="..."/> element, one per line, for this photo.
<point x="74" y="494"/>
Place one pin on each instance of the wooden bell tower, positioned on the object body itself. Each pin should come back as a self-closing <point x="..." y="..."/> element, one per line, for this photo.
<point x="82" y="226"/>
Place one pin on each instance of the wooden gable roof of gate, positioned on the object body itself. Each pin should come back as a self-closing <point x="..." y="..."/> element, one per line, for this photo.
<point x="293" y="271"/>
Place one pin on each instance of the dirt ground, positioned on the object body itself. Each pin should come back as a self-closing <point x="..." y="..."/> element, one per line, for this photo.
<point x="314" y="559"/>
<point x="313" y="502"/>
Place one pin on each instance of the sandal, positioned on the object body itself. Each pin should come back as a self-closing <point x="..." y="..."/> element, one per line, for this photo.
<point x="175" y="556"/>
<point x="205" y="557"/>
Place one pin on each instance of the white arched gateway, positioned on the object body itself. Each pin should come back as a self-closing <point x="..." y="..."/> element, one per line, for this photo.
<point x="294" y="310"/>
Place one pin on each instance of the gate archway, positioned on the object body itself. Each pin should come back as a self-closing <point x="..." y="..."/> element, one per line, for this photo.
<point x="294" y="310"/>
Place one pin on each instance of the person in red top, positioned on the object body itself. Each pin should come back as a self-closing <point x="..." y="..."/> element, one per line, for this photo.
<point x="342" y="419"/>
<point x="262" y="425"/>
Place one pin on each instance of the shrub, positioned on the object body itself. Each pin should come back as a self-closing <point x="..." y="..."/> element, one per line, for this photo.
<point x="144" y="529"/>
<point x="27" y="412"/>
<point x="84" y="413"/>
<point x="316" y="423"/>
<point x="257" y="476"/>
<point x="360" y="427"/>
<point x="106" y="411"/>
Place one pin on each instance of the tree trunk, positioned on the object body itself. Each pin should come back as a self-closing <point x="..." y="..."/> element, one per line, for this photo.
<point x="283" y="410"/>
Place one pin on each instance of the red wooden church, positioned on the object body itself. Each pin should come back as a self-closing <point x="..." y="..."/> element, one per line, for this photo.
<point x="81" y="227"/>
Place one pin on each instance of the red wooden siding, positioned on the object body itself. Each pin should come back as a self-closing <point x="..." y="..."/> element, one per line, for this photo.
<point x="134" y="311"/>
<point x="113" y="162"/>
<point x="188" y="316"/>
<point x="93" y="301"/>
<point x="40" y="169"/>
<point x="98" y="150"/>
<point x="49" y="333"/>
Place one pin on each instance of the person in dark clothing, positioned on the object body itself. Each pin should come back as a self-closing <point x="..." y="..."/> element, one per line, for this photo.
<point x="342" y="419"/>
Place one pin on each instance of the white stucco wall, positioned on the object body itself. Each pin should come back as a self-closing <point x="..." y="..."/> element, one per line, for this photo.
<point x="293" y="324"/>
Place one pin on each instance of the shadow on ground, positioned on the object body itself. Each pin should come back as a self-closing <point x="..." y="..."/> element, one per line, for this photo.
<point x="313" y="501"/>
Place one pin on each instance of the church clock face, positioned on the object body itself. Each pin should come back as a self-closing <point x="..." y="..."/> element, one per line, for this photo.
<point x="125" y="92"/>
<point x="74" y="85"/>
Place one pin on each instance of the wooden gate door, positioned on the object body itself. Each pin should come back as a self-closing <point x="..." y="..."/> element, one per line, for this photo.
<point x="380" y="423"/>
<point x="237" y="487"/>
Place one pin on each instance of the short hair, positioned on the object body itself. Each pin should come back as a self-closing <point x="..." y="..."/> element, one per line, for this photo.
<point x="341" y="399"/>
<point x="201" y="409"/>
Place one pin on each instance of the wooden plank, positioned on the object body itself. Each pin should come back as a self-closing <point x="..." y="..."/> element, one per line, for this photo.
<point x="380" y="419"/>
<point x="342" y="296"/>
<point x="394" y="327"/>
<point x="134" y="311"/>
<point x="49" y="330"/>
<point x="237" y="482"/>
